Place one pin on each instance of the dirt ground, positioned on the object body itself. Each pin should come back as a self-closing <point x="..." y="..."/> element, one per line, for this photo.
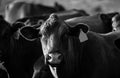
<point x="91" y="6"/>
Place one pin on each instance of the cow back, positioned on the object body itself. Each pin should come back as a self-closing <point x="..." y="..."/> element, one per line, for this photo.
<point x="95" y="22"/>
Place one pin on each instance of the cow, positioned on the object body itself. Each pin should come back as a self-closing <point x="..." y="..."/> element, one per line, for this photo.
<point x="20" y="9"/>
<point x="18" y="54"/>
<point x="100" y="23"/>
<point x="77" y="52"/>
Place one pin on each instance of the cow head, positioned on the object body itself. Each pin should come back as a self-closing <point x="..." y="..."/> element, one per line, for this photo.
<point x="55" y="38"/>
<point x="58" y="40"/>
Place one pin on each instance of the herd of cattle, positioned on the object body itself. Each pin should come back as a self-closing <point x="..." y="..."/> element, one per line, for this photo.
<point x="38" y="41"/>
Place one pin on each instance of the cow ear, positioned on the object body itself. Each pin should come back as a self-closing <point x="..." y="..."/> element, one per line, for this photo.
<point x="29" y="33"/>
<point x="80" y="31"/>
<point x="17" y="25"/>
<point x="75" y="30"/>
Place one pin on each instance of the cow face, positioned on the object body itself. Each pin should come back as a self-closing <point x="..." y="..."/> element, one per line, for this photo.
<point x="56" y="37"/>
<point x="51" y="40"/>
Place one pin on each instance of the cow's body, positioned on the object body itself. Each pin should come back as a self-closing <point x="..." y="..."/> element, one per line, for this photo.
<point x="20" y="9"/>
<point x="23" y="56"/>
<point x="76" y="52"/>
<point x="71" y="14"/>
<point x="3" y="74"/>
<point x="19" y="54"/>
<point x="101" y="23"/>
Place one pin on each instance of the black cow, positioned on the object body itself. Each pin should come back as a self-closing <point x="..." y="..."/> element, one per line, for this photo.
<point x="20" y="9"/>
<point x="19" y="54"/>
<point x="75" y="52"/>
<point x="101" y="23"/>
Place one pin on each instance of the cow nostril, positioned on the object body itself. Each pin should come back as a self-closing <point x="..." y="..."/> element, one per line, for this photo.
<point x="54" y="58"/>
<point x="48" y="57"/>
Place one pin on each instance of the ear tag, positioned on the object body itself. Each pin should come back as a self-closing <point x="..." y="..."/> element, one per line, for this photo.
<point x="83" y="37"/>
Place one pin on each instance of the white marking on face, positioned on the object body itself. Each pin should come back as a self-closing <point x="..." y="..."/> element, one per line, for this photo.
<point x="47" y="45"/>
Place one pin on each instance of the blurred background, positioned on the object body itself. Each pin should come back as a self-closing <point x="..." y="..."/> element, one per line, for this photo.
<point x="90" y="6"/>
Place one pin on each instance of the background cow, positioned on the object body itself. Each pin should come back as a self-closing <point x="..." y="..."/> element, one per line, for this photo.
<point x="20" y="9"/>
<point x="18" y="54"/>
<point x="101" y="23"/>
<point x="77" y="52"/>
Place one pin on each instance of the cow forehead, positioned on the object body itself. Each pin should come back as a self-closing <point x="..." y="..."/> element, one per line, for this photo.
<point x="50" y="24"/>
<point x="54" y="38"/>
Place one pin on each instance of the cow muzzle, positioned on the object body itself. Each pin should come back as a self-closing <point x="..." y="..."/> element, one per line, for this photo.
<point x="54" y="58"/>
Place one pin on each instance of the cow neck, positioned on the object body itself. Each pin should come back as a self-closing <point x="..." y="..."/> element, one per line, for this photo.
<point x="68" y="72"/>
<point x="82" y="50"/>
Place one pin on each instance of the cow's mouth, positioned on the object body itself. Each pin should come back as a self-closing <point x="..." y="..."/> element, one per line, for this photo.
<point x="54" y="58"/>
